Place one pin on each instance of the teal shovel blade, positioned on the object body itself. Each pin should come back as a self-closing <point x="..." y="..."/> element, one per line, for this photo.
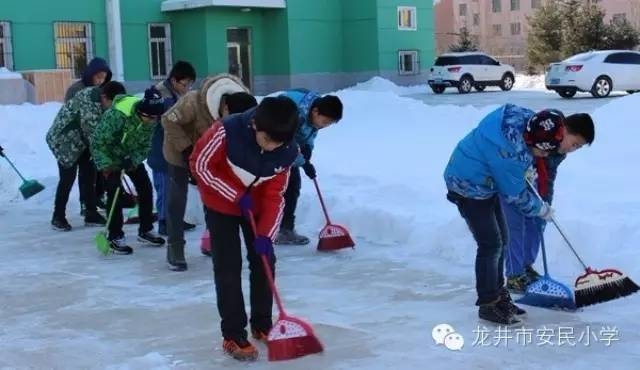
<point x="30" y="188"/>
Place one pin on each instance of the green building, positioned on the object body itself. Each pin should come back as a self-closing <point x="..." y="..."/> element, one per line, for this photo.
<point x="270" y="44"/>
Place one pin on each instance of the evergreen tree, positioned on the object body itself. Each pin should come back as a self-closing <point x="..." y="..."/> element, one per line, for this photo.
<point x="465" y="42"/>
<point x="621" y="35"/>
<point x="545" y="35"/>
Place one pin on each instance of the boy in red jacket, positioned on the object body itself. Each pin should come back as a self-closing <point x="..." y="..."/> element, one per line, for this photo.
<point x="242" y="164"/>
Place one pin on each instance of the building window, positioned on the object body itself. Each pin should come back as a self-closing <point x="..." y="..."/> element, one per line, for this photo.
<point x="6" y="55"/>
<point x="619" y="18"/>
<point x="407" y="18"/>
<point x="515" y="5"/>
<point x="462" y="10"/>
<point x="497" y="29"/>
<point x="515" y="28"/>
<point x="476" y="19"/>
<point x="535" y="4"/>
<point x="408" y="63"/>
<point x="74" y="46"/>
<point x="160" y="50"/>
<point x="496" y="6"/>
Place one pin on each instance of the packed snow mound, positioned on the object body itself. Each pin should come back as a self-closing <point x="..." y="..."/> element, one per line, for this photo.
<point x="529" y="82"/>
<point x="379" y="84"/>
<point x="9" y="75"/>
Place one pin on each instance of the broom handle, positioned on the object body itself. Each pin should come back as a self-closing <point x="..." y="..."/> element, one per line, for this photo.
<point x="324" y="208"/>
<point x="14" y="168"/>
<point x="267" y="267"/>
<point x="544" y="254"/>
<point x="555" y="223"/>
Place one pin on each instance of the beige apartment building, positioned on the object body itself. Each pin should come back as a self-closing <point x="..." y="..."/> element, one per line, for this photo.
<point x="500" y="26"/>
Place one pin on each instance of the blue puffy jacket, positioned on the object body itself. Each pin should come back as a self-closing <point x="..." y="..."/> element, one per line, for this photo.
<point x="493" y="159"/>
<point x="156" y="160"/>
<point x="306" y="134"/>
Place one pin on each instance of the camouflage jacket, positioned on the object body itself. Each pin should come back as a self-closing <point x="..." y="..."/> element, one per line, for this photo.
<point x="73" y="126"/>
<point x="109" y="145"/>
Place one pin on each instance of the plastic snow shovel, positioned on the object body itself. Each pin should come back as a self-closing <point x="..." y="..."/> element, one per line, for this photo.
<point x="102" y="242"/>
<point x="596" y="286"/>
<point x="28" y="188"/>
<point x="547" y="292"/>
<point x="289" y="337"/>
<point x="332" y="237"/>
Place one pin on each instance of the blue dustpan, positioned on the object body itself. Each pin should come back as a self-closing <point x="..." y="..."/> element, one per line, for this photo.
<point x="547" y="292"/>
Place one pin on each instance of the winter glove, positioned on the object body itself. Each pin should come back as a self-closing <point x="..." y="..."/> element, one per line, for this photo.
<point x="246" y="204"/>
<point x="1" y="151"/>
<point x="546" y="212"/>
<point x="306" y="152"/>
<point x="263" y="245"/>
<point x="185" y="156"/>
<point x="309" y="170"/>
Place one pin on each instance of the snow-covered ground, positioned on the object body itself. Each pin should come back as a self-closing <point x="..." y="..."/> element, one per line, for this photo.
<point x="64" y="306"/>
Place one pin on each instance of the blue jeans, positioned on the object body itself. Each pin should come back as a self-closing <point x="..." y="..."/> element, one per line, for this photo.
<point x="160" y="180"/>
<point x="524" y="240"/>
<point x="486" y="222"/>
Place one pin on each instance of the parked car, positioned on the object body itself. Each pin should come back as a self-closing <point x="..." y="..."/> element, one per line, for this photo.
<point x="597" y="72"/>
<point x="468" y="70"/>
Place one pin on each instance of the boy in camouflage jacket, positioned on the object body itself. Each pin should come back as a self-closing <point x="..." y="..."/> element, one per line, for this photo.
<point x="119" y="146"/>
<point x="68" y="139"/>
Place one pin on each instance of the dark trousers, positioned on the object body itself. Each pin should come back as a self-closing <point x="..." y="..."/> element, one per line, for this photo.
<point x="226" y="253"/>
<point x="177" y="188"/>
<point x="291" y="196"/>
<point x="142" y="184"/>
<point x="488" y="226"/>
<point x="99" y="185"/>
<point x="86" y="181"/>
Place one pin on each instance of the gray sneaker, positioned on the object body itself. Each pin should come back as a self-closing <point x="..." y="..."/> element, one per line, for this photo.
<point x="290" y="237"/>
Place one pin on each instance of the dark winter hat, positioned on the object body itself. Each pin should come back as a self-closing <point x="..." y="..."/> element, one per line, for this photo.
<point x="152" y="104"/>
<point x="545" y="130"/>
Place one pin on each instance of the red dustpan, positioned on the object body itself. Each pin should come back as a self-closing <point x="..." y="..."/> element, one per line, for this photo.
<point x="289" y="337"/>
<point x="332" y="237"/>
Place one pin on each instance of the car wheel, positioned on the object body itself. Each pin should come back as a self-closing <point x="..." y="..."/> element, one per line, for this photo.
<point x="602" y="87"/>
<point x="507" y="82"/>
<point x="567" y="93"/>
<point x="465" y="85"/>
<point x="480" y="87"/>
<point x="437" y="89"/>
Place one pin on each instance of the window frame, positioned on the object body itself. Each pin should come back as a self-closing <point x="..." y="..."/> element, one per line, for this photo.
<point x="415" y="62"/>
<point x="496" y="6"/>
<point x="7" y="46"/>
<point x="87" y="40"/>
<point x="167" y="50"/>
<point x="413" y="16"/>
<point x="514" y="5"/>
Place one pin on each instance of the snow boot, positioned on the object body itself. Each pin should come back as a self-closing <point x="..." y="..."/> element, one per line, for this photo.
<point x="499" y="313"/>
<point x="60" y="224"/>
<point x="290" y="237"/>
<point x="150" y="238"/>
<point x="94" y="219"/>
<point x="505" y="298"/>
<point x="260" y="335"/>
<point x="240" y="349"/>
<point x="518" y="284"/>
<point x="119" y="246"/>
<point x="175" y="257"/>
<point x="532" y="274"/>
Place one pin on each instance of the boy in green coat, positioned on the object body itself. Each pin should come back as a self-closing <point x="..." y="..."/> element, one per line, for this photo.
<point x="120" y="144"/>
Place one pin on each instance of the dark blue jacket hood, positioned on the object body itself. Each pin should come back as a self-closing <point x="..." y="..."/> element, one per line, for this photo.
<point x="95" y="66"/>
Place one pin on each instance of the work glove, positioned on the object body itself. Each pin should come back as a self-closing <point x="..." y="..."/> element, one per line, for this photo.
<point x="306" y="152"/>
<point x="309" y="170"/>
<point x="263" y="245"/>
<point x="185" y="156"/>
<point x="1" y="151"/>
<point x="246" y="204"/>
<point x="546" y="212"/>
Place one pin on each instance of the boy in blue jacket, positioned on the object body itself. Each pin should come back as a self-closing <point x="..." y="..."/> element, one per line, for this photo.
<point x="315" y="112"/>
<point x="492" y="160"/>
<point x="181" y="78"/>
<point x="525" y="232"/>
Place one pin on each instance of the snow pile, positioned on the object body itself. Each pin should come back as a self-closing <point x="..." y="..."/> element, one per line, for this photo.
<point x="379" y="84"/>
<point x="8" y="75"/>
<point x="529" y="82"/>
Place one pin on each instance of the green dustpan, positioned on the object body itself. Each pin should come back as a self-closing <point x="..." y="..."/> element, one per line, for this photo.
<point x="30" y="188"/>
<point x="102" y="242"/>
